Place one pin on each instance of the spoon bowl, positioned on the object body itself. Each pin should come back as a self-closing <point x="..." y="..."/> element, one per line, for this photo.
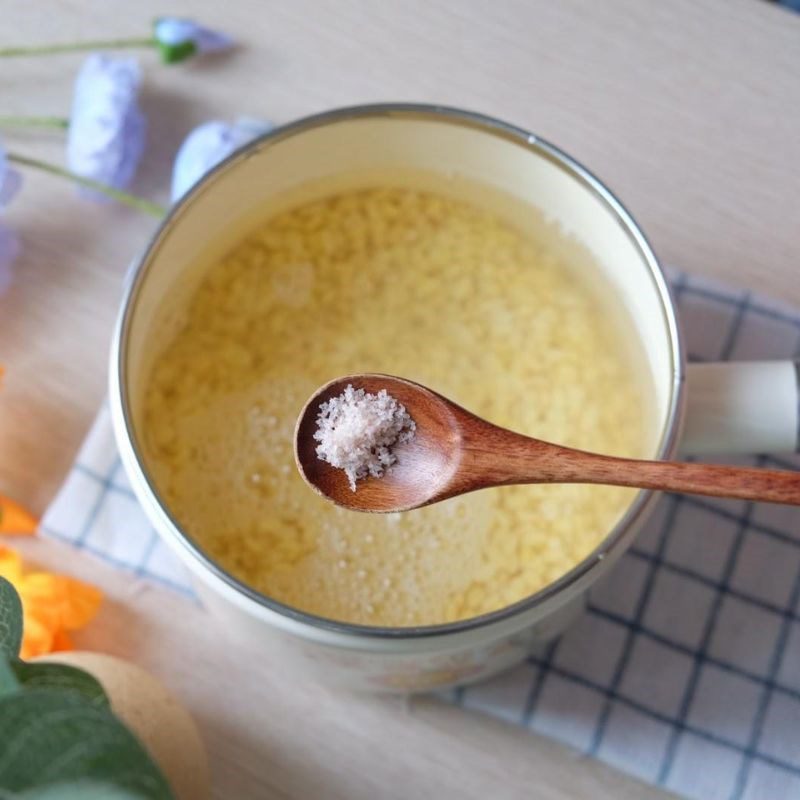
<point x="425" y="465"/>
<point x="453" y="451"/>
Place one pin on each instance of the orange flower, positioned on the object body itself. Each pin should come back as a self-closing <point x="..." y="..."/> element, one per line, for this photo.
<point x="15" y="520"/>
<point x="52" y="605"/>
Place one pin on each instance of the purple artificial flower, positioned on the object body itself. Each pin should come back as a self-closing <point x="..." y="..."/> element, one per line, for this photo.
<point x="207" y="145"/>
<point x="106" y="128"/>
<point x="178" y="39"/>
<point x="10" y="182"/>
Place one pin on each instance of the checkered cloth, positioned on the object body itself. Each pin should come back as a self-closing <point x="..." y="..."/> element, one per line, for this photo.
<point x="686" y="669"/>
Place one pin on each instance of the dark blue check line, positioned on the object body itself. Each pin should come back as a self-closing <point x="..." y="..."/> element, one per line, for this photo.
<point x="718" y="295"/>
<point x="532" y="700"/>
<point x="108" y="483"/>
<point x="784" y="463"/>
<point x="758" y="527"/>
<point x="736" y="325"/>
<point x="116" y="562"/>
<point x="764" y="700"/>
<point x="700" y="655"/>
<point x="691" y="652"/>
<point x="614" y="697"/>
<point x="90" y="472"/>
<point x="679" y="285"/>
<point x="757" y="308"/>
<point x="674" y="275"/>
<point x="745" y="597"/>
<point x="774" y="314"/>
<point x="105" y="485"/>
<point x="641" y="607"/>
<point x="115" y="469"/>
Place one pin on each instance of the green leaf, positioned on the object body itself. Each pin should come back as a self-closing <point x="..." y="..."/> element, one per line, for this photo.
<point x="48" y="735"/>
<point x="8" y="680"/>
<point x="75" y="790"/>
<point x="10" y="619"/>
<point x="175" y="53"/>
<point x="58" y="676"/>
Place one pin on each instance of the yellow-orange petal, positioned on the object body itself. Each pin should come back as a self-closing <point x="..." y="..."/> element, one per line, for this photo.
<point x="40" y="595"/>
<point x="37" y="636"/>
<point x="15" y="520"/>
<point x="69" y="602"/>
<point x="51" y="605"/>
<point x="83" y="603"/>
<point x="61" y="642"/>
<point x="10" y="565"/>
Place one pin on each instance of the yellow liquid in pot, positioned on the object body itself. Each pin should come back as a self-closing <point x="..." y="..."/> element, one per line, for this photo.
<point x="415" y="284"/>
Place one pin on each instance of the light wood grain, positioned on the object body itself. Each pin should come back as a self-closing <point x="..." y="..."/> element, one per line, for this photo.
<point x="689" y="110"/>
<point x="269" y="738"/>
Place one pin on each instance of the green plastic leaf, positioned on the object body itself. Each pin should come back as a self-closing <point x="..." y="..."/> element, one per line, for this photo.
<point x="10" y="619"/>
<point x="175" y="53"/>
<point x="60" y="676"/>
<point x="48" y="735"/>
<point x="75" y="790"/>
<point x="8" y="679"/>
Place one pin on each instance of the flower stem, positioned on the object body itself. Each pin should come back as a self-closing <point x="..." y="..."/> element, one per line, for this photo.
<point x="73" y="47"/>
<point x="33" y="122"/>
<point x="130" y="200"/>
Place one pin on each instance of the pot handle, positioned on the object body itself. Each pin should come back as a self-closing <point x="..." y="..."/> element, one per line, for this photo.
<point x="742" y="407"/>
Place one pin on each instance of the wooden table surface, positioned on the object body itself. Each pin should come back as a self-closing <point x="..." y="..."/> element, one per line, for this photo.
<point x="689" y="110"/>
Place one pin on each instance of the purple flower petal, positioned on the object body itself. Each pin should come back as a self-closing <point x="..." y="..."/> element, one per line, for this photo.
<point x="172" y="31"/>
<point x="10" y="180"/>
<point x="107" y="129"/>
<point x="207" y="145"/>
<point x="9" y="250"/>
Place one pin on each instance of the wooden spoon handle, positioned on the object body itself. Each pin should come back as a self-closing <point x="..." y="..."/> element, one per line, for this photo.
<point x="713" y="480"/>
<point x="496" y="457"/>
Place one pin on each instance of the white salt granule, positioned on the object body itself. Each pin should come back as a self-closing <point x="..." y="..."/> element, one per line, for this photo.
<point x="356" y="432"/>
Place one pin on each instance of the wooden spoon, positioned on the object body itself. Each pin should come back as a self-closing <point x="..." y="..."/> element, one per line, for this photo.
<point x="454" y="452"/>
